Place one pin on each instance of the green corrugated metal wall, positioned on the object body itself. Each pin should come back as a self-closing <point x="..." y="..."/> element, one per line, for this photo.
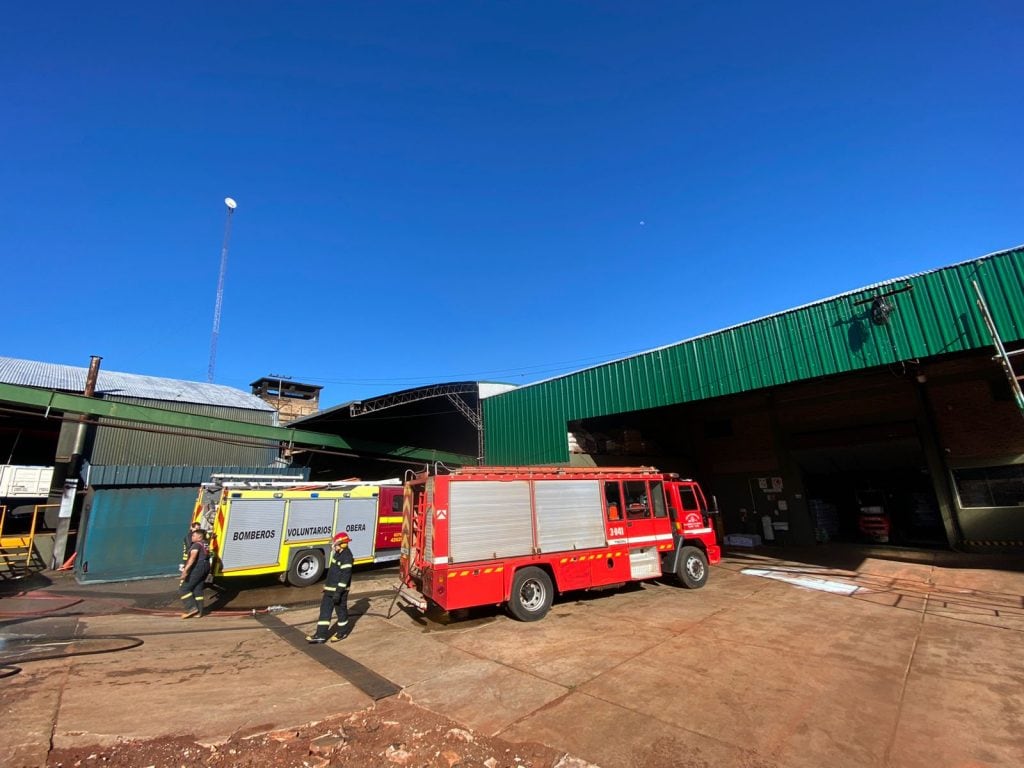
<point x="937" y="316"/>
<point x="133" y="446"/>
<point x="134" y="533"/>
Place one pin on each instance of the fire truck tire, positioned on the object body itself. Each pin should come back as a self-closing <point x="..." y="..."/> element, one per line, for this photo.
<point x="692" y="568"/>
<point x="307" y="567"/>
<point x="532" y="594"/>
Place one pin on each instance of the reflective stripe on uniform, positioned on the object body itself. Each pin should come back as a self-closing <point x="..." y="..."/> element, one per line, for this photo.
<point x="329" y="589"/>
<point x="323" y="623"/>
<point x="345" y="565"/>
<point x="186" y="596"/>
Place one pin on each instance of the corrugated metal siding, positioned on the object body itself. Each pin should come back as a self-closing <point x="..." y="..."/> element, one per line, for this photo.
<point x="121" y="475"/>
<point x="134" y="533"/>
<point x="132" y="446"/>
<point x="938" y="316"/>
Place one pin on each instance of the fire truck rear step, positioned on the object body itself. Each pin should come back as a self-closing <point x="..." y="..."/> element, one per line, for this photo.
<point x="412" y="597"/>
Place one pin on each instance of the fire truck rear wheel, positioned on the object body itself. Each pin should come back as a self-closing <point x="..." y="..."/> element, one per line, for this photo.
<point x="307" y="567"/>
<point x="692" y="569"/>
<point x="532" y="594"/>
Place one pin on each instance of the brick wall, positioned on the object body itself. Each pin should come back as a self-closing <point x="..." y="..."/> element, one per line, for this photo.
<point x="972" y="424"/>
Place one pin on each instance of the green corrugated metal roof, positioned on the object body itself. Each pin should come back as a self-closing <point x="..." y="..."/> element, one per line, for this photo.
<point x="935" y="316"/>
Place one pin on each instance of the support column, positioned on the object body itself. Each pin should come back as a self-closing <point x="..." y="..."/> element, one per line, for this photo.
<point x="66" y="471"/>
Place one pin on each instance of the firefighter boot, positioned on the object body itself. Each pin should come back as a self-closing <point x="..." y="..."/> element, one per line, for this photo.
<point x="322" y="631"/>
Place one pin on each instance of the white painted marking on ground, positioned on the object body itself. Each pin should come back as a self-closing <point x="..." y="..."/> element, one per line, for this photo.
<point x="808" y="582"/>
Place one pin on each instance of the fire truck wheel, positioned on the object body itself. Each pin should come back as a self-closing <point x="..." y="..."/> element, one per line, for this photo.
<point x="307" y="567"/>
<point x="692" y="569"/>
<point x="531" y="594"/>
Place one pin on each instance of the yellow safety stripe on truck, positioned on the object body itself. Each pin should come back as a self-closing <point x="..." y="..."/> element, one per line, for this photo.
<point x="595" y="556"/>
<point x="475" y="572"/>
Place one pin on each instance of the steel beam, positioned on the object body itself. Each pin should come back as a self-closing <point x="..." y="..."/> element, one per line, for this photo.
<point x="51" y="400"/>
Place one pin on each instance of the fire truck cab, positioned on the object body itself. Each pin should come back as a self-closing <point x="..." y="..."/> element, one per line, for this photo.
<point x="515" y="536"/>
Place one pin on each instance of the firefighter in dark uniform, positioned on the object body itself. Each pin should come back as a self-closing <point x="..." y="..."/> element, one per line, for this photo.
<point x="193" y="575"/>
<point x="186" y="544"/>
<point x="339" y="578"/>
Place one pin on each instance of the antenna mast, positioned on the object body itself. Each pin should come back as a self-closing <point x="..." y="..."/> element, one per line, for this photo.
<point x="231" y="205"/>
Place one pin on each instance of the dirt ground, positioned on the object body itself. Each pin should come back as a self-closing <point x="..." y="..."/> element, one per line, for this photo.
<point x="392" y="732"/>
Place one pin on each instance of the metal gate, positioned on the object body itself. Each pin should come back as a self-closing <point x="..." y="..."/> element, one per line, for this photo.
<point x="133" y="533"/>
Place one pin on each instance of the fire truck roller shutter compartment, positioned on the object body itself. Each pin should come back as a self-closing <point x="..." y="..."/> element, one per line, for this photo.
<point x="253" y="536"/>
<point x="569" y="515"/>
<point x="358" y="518"/>
<point x="488" y="520"/>
<point x="309" y="520"/>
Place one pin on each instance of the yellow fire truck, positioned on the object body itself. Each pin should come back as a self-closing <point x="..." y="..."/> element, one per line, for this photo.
<point x="265" y="527"/>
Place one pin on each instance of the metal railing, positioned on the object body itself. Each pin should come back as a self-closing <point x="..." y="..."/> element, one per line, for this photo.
<point x="21" y="540"/>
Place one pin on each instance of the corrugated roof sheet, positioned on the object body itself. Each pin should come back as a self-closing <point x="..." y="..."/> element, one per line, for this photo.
<point x="70" y="378"/>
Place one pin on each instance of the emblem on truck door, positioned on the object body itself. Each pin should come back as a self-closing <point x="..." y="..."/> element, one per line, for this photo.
<point x="441" y="514"/>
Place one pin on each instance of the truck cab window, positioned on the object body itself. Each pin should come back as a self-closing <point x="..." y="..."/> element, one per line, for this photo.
<point x="637" y="503"/>
<point x="658" y="499"/>
<point x="689" y="498"/>
<point x="613" y="501"/>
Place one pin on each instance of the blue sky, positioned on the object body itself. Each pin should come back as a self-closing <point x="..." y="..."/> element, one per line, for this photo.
<point x="504" y="191"/>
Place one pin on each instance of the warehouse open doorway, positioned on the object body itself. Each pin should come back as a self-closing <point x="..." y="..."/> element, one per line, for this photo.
<point x="869" y="484"/>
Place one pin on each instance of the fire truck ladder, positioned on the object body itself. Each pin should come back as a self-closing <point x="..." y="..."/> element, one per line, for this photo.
<point x="1005" y="358"/>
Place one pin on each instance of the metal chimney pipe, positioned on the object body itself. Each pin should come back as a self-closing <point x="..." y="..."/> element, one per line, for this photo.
<point x="92" y="376"/>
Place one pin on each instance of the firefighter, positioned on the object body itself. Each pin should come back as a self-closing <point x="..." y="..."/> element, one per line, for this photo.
<point x="193" y="575"/>
<point x="186" y="544"/>
<point x="339" y="577"/>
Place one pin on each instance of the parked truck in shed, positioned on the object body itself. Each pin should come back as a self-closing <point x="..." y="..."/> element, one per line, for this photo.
<point x="23" y="489"/>
<point x="514" y="536"/>
<point x="285" y="528"/>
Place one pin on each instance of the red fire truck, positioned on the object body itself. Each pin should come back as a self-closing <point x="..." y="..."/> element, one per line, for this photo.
<point x="514" y="535"/>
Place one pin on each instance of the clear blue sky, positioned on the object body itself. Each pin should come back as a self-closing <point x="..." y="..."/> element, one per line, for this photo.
<point x="502" y="191"/>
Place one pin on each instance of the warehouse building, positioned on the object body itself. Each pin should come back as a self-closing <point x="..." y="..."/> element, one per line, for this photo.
<point x="882" y="415"/>
<point x="447" y="417"/>
<point x="139" y="481"/>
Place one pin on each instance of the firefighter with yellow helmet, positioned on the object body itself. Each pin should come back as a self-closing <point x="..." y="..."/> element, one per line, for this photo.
<point x="335" y="598"/>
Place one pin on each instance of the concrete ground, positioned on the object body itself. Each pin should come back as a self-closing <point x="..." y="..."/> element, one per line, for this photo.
<point x="826" y="657"/>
